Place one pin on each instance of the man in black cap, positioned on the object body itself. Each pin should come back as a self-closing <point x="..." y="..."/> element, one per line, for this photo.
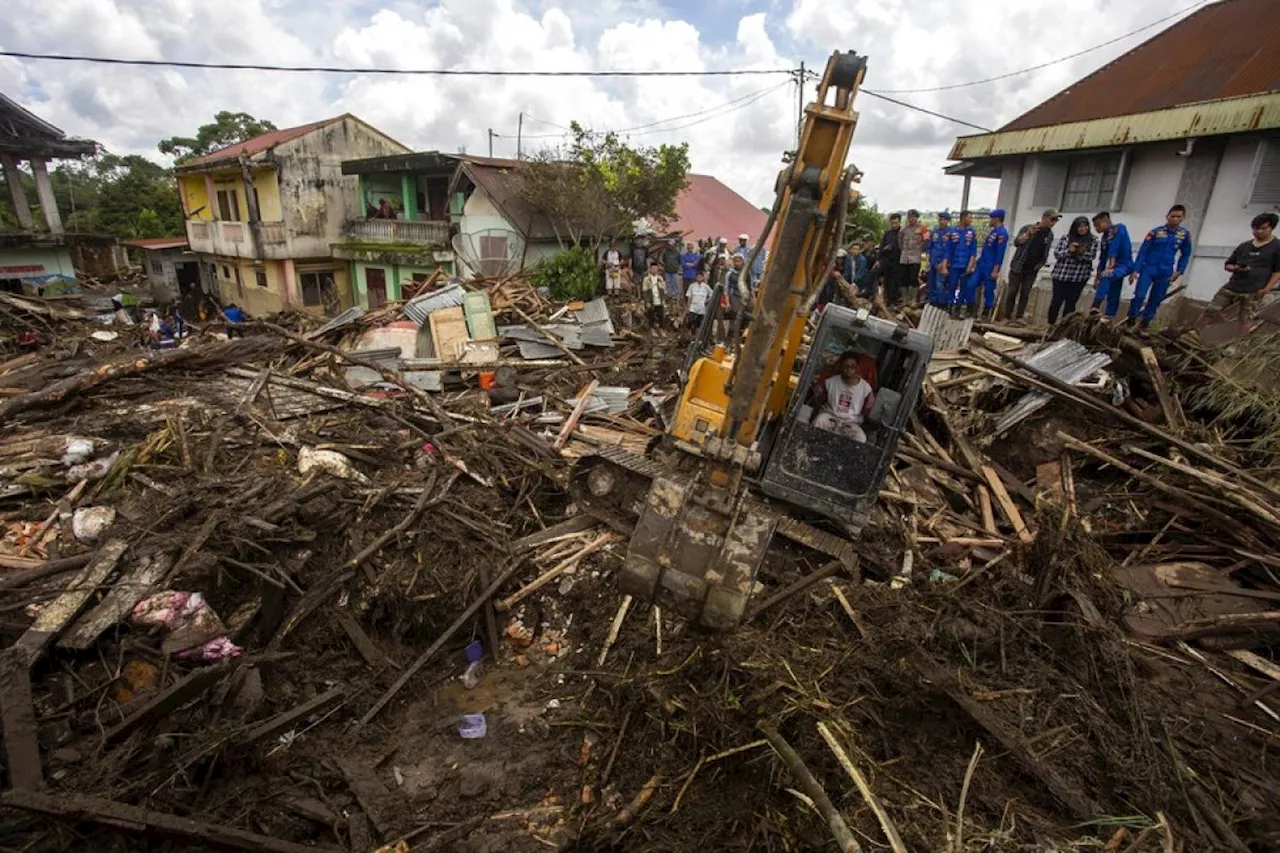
<point x="911" y="245"/>
<point x="1031" y="250"/>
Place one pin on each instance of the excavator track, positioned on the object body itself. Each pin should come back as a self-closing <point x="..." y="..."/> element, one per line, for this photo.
<point x="611" y="485"/>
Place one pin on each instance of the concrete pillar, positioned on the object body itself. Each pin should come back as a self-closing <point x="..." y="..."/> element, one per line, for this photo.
<point x="289" y="284"/>
<point x="17" y="193"/>
<point x="964" y="195"/>
<point x="1199" y="175"/>
<point x="409" y="195"/>
<point x="44" y="192"/>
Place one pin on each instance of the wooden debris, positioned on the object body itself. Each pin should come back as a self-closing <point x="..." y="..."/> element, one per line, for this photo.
<point x="134" y="585"/>
<point x="21" y="744"/>
<point x="286" y="720"/>
<point x="860" y="781"/>
<point x="1173" y="415"/>
<point x="187" y="688"/>
<point x="839" y="829"/>
<point x="58" y="614"/>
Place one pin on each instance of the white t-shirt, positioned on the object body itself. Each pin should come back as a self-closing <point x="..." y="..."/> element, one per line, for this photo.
<point x="698" y="294"/>
<point x="653" y="288"/>
<point x="847" y="402"/>
<point x="612" y="258"/>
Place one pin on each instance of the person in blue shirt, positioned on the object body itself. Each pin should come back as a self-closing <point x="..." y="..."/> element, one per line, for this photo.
<point x="235" y="316"/>
<point x="1115" y="263"/>
<point x="689" y="265"/>
<point x="962" y="257"/>
<point x="857" y="265"/>
<point x="1162" y="260"/>
<point x="938" y="249"/>
<point x="987" y="272"/>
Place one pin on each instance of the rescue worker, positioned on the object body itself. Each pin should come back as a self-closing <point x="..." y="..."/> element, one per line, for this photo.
<point x="1115" y="261"/>
<point x="1156" y="267"/>
<point x="987" y="272"/>
<point x="938" y="248"/>
<point x="962" y="256"/>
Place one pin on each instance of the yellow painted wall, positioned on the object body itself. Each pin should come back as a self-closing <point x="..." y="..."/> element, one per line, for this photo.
<point x="196" y="197"/>
<point x="267" y="183"/>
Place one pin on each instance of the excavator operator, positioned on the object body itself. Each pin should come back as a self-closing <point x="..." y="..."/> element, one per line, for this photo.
<point x="846" y="398"/>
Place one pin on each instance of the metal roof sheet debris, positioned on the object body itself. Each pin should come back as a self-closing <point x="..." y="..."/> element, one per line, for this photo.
<point x="536" y="350"/>
<point x="507" y="408"/>
<point x="421" y="307"/>
<point x="612" y="399"/>
<point x="1067" y="360"/>
<point x="344" y="319"/>
<point x="427" y="380"/>
<point x="595" y="312"/>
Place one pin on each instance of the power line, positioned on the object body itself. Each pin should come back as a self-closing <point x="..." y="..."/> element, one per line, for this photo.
<point x="433" y="72"/>
<point x="960" y="121"/>
<point x="1047" y="64"/>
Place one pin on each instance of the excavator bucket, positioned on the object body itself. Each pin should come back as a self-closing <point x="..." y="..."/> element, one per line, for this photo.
<point x="704" y="556"/>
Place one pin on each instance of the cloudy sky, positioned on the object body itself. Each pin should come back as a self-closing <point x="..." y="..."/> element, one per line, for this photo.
<point x="736" y="126"/>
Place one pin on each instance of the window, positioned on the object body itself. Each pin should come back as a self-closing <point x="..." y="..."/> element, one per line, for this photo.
<point x="317" y="289"/>
<point x="226" y="271"/>
<point x="493" y="256"/>
<point x="157" y="268"/>
<point x="1264" y="188"/>
<point x="228" y="206"/>
<point x="261" y="277"/>
<point x="1080" y="184"/>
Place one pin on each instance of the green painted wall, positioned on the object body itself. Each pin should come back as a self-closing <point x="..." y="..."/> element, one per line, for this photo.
<point x="396" y="275"/>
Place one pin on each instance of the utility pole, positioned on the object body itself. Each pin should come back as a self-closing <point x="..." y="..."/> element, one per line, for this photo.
<point x="491" y="143"/>
<point x="800" y="106"/>
<point x="519" y="136"/>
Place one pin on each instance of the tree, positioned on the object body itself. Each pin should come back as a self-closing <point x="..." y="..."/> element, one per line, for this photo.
<point x="864" y="221"/>
<point x="227" y="128"/>
<point x="602" y="187"/>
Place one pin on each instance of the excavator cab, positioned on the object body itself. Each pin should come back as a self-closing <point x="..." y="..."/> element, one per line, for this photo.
<point x="828" y="472"/>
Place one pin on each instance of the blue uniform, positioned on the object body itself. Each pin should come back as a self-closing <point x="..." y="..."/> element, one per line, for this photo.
<point x="938" y="249"/>
<point x="1163" y="251"/>
<point x="963" y="241"/>
<point x="989" y="261"/>
<point x="1115" y="250"/>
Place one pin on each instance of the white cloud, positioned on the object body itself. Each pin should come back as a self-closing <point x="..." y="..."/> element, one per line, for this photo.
<point x="927" y="43"/>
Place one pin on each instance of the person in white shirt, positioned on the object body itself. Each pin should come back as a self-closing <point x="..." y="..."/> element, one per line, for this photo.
<point x="653" y="287"/>
<point x="847" y="399"/>
<point x="698" y="295"/>
<point x="612" y="269"/>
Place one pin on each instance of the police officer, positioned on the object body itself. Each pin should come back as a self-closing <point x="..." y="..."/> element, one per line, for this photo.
<point x="938" y="248"/>
<point x="962" y="257"/>
<point x="1115" y="261"/>
<point x="987" y="272"/>
<point x="1155" y="269"/>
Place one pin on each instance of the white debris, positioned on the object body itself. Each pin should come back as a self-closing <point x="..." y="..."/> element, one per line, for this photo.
<point x="311" y="461"/>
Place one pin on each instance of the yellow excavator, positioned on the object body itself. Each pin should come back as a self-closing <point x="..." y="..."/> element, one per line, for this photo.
<point x="742" y="459"/>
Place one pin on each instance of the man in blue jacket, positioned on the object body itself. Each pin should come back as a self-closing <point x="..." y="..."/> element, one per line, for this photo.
<point x="962" y="257"/>
<point x="987" y="272"/>
<point x="938" y="249"/>
<point x="1162" y="260"/>
<point x="1115" y="262"/>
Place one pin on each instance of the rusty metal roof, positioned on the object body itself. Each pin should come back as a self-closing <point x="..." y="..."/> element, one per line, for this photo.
<point x="1225" y="50"/>
<point x="1236" y="115"/>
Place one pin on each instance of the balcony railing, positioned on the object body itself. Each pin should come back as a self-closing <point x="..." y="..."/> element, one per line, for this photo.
<point x="232" y="238"/>
<point x="398" y="231"/>
<point x="273" y="233"/>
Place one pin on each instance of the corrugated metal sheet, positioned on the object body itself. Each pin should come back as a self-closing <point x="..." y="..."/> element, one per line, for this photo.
<point x="1224" y="50"/>
<point x="1239" y="115"/>
<point x="420" y="308"/>
<point x="1065" y="359"/>
<point x="595" y="313"/>
<point x="343" y="319"/>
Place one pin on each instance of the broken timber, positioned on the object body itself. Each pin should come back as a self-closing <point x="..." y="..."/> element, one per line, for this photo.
<point x="76" y="808"/>
<point x="186" y="689"/>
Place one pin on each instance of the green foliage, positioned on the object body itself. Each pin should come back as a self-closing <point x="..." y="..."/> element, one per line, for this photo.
<point x="600" y="186"/>
<point x="864" y="221"/>
<point x="227" y="128"/>
<point x="568" y="274"/>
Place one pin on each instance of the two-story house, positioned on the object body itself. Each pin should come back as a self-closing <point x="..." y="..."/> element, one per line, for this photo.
<point x="263" y="213"/>
<point x="1191" y="117"/>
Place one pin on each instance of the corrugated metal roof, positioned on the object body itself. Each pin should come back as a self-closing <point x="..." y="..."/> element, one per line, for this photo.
<point x="1225" y="50"/>
<point x="708" y="208"/>
<point x="421" y="307"/>
<point x="157" y="243"/>
<point x="261" y="142"/>
<point x="1065" y="359"/>
<point x="1238" y="115"/>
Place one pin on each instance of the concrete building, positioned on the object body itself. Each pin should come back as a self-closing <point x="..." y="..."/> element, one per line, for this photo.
<point x="172" y="269"/>
<point x="36" y="253"/>
<point x="1191" y="116"/>
<point x="263" y="214"/>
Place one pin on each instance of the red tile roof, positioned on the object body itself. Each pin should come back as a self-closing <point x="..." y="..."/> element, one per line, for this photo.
<point x="157" y="243"/>
<point x="263" y="142"/>
<point x="1225" y="50"/>
<point x="708" y="208"/>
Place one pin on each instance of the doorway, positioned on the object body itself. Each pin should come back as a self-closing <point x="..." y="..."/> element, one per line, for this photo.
<point x="376" y="285"/>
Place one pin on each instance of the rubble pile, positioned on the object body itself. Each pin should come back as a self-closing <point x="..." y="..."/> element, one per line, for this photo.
<point x="314" y="589"/>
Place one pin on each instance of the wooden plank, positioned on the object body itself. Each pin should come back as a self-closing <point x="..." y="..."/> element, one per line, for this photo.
<point x="21" y="744"/>
<point x="988" y="514"/>
<point x="77" y="808"/>
<point x="448" y="332"/>
<point x="367" y="648"/>
<point x="136" y="583"/>
<point x="1254" y="661"/>
<point x="286" y="720"/>
<point x="568" y="527"/>
<point x="58" y="614"/>
<point x="34" y="570"/>
<point x="1007" y="505"/>
<point x="1173" y="415"/>
<point x="584" y="399"/>
<point x="1071" y="797"/>
<point x="171" y="698"/>
<point x="381" y="805"/>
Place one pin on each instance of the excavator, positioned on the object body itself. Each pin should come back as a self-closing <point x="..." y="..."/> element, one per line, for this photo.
<point x="742" y="460"/>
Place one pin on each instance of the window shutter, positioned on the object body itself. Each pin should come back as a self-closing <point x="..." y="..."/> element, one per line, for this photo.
<point x="1122" y="180"/>
<point x="1051" y="178"/>
<point x="1266" y="173"/>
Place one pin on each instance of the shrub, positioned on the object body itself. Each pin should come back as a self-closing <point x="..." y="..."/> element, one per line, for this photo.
<point x="568" y="274"/>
